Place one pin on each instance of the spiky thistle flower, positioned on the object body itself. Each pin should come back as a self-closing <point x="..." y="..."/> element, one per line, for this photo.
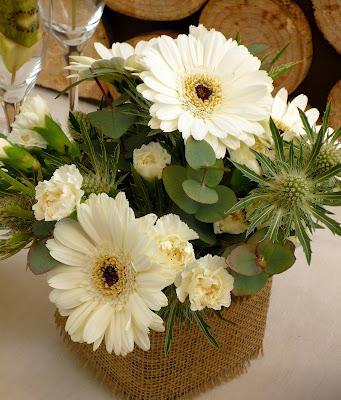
<point x="295" y="186"/>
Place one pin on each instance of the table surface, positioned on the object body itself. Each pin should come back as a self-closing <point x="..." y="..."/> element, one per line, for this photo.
<point x="302" y="346"/>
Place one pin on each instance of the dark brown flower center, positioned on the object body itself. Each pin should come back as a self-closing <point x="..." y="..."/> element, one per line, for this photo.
<point x="110" y="275"/>
<point x="203" y="92"/>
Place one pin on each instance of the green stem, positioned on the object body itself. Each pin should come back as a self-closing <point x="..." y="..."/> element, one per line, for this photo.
<point x="14" y="211"/>
<point x="17" y="185"/>
<point x="202" y="183"/>
<point x="74" y="6"/>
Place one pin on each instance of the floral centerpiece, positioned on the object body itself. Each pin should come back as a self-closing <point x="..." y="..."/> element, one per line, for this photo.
<point x="164" y="206"/>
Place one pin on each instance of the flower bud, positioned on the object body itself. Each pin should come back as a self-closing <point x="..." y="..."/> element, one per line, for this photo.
<point x="150" y="160"/>
<point x="234" y="223"/>
<point x="17" y="157"/>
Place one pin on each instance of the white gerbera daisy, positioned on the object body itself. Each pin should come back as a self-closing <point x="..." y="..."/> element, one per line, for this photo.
<point x="286" y="115"/>
<point x="132" y="56"/>
<point x="107" y="284"/>
<point x="172" y="237"/>
<point x="207" y="87"/>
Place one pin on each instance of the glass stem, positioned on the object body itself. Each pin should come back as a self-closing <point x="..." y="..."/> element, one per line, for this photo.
<point x="73" y="92"/>
<point x="10" y="111"/>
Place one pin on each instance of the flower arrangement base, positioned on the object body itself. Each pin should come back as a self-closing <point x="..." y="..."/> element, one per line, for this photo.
<point x="193" y="365"/>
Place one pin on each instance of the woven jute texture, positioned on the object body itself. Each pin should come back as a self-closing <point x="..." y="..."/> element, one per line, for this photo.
<point x="192" y="365"/>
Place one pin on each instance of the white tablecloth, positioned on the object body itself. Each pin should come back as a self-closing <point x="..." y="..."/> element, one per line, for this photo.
<point x="302" y="347"/>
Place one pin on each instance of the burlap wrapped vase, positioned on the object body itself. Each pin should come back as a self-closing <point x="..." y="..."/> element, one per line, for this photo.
<point x="193" y="365"/>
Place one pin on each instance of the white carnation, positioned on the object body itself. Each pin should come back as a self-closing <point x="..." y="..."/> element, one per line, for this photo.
<point x="207" y="283"/>
<point x="150" y="160"/>
<point x="59" y="197"/>
<point x="32" y="115"/>
<point x="175" y="251"/>
<point x="234" y="223"/>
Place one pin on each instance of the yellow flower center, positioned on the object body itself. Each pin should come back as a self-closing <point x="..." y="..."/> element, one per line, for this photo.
<point x="177" y="251"/>
<point x="282" y="127"/>
<point x="110" y="276"/>
<point x="202" y="94"/>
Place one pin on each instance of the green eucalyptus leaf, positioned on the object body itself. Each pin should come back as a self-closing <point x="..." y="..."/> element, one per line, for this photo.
<point x="43" y="229"/>
<point x="256" y="238"/>
<point x="275" y="257"/>
<point x="244" y="261"/>
<point x="199" y="154"/>
<point x="39" y="259"/>
<point x="211" y="175"/>
<point x="200" y="193"/>
<point x="217" y="211"/>
<point x="173" y="176"/>
<point x="240" y="184"/>
<point x="205" y="231"/>
<point x="248" y="285"/>
<point x="113" y="123"/>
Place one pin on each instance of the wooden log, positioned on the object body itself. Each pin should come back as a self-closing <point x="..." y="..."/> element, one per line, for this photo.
<point x="53" y="75"/>
<point x="150" y="35"/>
<point x="328" y="18"/>
<point x="156" y="10"/>
<point x="273" y="22"/>
<point x="335" y="101"/>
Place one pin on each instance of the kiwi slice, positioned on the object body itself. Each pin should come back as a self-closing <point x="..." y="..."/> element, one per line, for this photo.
<point x="19" y="21"/>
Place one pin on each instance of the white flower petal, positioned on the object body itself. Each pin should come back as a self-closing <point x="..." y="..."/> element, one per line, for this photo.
<point x="97" y="323"/>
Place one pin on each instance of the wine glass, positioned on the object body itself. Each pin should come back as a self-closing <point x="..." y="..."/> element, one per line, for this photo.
<point x="73" y="24"/>
<point x="23" y="42"/>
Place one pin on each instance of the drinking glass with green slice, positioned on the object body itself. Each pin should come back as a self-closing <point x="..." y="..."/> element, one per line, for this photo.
<point x="23" y="40"/>
<point x="73" y="24"/>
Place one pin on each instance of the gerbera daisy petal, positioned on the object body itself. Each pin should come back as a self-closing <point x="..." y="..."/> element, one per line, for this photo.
<point x="98" y="285"/>
<point x="69" y="231"/>
<point x="79" y="316"/>
<point x="97" y="323"/>
<point x="211" y="77"/>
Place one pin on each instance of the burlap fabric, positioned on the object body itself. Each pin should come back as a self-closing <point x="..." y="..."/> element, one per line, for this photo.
<point x="193" y="365"/>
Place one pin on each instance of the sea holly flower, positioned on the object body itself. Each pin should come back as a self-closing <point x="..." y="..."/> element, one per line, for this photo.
<point x="292" y="192"/>
<point x="208" y="88"/>
<point x="150" y="160"/>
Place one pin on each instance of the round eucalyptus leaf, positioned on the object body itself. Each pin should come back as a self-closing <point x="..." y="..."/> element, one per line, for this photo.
<point x="205" y="231"/>
<point x="275" y="257"/>
<point x="39" y="259"/>
<point x="43" y="229"/>
<point x="244" y="261"/>
<point x="173" y="176"/>
<point x="248" y="285"/>
<point x="217" y="211"/>
<point x="199" y="153"/>
<point x="210" y="175"/>
<point x="200" y="193"/>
